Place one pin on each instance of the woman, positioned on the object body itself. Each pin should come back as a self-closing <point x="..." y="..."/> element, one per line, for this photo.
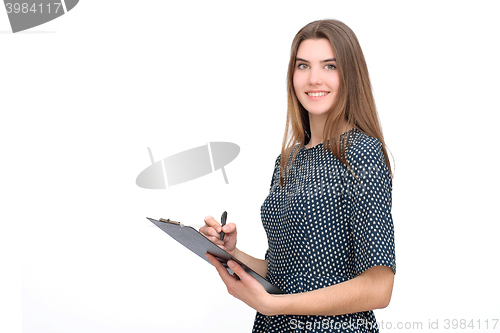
<point x="328" y="214"/>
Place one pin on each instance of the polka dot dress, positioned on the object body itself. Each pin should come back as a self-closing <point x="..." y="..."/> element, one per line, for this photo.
<point x="326" y="226"/>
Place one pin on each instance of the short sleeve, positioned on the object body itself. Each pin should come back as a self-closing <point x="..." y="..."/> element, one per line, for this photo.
<point x="370" y="197"/>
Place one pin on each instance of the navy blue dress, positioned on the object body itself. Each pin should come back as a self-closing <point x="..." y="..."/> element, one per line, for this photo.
<point x="325" y="227"/>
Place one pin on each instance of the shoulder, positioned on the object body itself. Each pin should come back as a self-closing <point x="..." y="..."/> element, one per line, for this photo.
<point x="366" y="158"/>
<point x="277" y="161"/>
<point x="363" y="149"/>
<point x="289" y="153"/>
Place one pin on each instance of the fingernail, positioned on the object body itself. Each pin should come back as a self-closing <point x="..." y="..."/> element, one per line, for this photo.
<point x="230" y="263"/>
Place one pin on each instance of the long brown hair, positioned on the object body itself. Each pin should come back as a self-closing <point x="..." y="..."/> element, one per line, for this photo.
<point x="354" y="102"/>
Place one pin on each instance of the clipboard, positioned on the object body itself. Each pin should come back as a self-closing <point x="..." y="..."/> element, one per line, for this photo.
<point x="199" y="244"/>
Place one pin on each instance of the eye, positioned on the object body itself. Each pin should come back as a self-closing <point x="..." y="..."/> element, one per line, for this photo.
<point x="302" y="66"/>
<point x="330" y="67"/>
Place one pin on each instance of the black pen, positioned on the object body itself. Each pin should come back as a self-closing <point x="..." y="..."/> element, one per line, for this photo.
<point x="223" y="222"/>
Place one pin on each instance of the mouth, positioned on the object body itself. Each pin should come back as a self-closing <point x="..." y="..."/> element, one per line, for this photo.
<point x="317" y="93"/>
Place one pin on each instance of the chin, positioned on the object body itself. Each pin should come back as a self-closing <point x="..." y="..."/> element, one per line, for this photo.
<point x="317" y="112"/>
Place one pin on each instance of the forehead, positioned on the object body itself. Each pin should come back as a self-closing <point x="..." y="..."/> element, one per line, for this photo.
<point x="315" y="49"/>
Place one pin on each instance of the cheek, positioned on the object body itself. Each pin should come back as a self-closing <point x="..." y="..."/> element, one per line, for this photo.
<point x="295" y="83"/>
<point x="296" y="89"/>
<point x="299" y="80"/>
<point x="335" y="82"/>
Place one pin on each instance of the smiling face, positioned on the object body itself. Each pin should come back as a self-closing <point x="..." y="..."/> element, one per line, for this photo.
<point x="316" y="78"/>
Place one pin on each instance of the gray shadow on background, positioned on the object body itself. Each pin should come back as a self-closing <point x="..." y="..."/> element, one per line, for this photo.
<point x="26" y="14"/>
<point x="188" y="165"/>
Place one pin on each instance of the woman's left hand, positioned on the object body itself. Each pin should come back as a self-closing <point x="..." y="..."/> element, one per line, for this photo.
<point x="246" y="288"/>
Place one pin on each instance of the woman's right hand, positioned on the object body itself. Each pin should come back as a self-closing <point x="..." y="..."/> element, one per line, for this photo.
<point x="212" y="230"/>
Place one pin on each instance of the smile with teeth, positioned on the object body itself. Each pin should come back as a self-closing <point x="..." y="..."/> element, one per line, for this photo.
<point x="317" y="94"/>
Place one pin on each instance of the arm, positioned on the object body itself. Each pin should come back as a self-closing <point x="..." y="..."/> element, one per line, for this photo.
<point x="370" y="290"/>
<point x="258" y="265"/>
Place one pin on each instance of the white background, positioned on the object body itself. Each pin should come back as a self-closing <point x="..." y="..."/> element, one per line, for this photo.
<point x="83" y="96"/>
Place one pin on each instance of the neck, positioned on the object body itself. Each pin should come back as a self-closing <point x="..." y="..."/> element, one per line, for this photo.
<point x="317" y="125"/>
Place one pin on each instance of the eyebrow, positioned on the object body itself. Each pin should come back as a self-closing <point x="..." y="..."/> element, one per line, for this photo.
<point x="326" y="60"/>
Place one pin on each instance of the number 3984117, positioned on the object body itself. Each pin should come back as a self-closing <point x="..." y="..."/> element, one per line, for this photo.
<point x="35" y="8"/>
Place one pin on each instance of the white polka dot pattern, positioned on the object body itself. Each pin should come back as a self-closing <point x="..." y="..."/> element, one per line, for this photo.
<point x="326" y="226"/>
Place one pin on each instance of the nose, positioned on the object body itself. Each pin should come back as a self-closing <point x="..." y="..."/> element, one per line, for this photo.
<point x="315" y="77"/>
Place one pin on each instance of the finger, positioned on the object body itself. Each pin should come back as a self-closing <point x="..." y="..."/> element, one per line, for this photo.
<point x="210" y="221"/>
<point x="229" y="228"/>
<point x="209" y="231"/>
<point x="224" y="274"/>
<point x="238" y="270"/>
<point x="211" y="234"/>
<point x="216" y="240"/>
